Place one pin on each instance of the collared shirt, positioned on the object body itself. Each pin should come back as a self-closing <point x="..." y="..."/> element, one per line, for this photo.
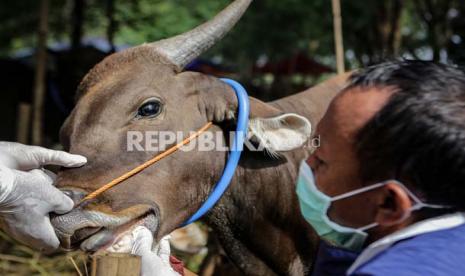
<point x="377" y="248"/>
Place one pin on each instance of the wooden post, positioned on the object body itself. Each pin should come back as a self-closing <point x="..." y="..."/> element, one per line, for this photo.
<point x="338" y="39"/>
<point x="40" y="74"/>
<point x="115" y="264"/>
<point x="111" y="27"/>
<point x="77" y="22"/>
<point x="22" y="127"/>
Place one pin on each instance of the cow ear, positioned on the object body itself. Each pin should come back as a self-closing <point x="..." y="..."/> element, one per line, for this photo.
<point x="269" y="127"/>
<point x="275" y="130"/>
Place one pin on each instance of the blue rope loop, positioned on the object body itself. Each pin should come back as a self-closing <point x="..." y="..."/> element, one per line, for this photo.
<point x="235" y="152"/>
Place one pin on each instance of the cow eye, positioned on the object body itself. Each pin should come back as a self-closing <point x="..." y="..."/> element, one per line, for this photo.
<point x="150" y="108"/>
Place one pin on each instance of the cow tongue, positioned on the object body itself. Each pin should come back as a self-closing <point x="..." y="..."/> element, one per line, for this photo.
<point x="118" y="240"/>
<point x="106" y="241"/>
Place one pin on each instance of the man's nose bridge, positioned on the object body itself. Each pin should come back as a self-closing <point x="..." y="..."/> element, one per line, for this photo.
<point x="75" y="195"/>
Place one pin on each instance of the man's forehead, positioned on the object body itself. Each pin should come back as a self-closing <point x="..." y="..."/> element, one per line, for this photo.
<point x="352" y="109"/>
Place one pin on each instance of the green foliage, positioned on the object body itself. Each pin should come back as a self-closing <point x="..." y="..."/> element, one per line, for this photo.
<point x="271" y="28"/>
<point x="279" y="28"/>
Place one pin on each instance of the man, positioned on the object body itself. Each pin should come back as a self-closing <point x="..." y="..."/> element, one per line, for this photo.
<point x="388" y="178"/>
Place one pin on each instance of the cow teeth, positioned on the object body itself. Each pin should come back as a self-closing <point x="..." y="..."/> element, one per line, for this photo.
<point x="125" y="240"/>
<point x="126" y="243"/>
<point x="122" y="245"/>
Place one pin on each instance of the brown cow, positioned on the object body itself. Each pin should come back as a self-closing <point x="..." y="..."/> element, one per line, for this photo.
<point x="258" y="221"/>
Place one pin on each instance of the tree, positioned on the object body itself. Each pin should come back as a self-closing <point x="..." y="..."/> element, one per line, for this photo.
<point x="373" y="30"/>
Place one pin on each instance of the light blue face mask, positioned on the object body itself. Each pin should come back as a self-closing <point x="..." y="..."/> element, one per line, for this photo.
<point x="314" y="206"/>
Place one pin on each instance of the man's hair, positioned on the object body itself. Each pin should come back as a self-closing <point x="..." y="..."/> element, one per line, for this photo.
<point x="418" y="137"/>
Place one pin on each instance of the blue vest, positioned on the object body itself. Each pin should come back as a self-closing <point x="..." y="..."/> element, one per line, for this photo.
<point x="439" y="253"/>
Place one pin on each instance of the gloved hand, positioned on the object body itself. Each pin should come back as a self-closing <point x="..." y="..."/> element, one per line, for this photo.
<point x="155" y="262"/>
<point x="27" y="194"/>
<point x="24" y="158"/>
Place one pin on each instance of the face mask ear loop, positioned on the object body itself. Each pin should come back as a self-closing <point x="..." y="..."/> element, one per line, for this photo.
<point x="419" y="204"/>
<point x="362" y="190"/>
<point x="358" y="191"/>
<point x="369" y="226"/>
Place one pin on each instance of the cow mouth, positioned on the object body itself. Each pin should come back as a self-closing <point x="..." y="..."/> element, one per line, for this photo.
<point x="119" y="239"/>
<point x="102" y="232"/>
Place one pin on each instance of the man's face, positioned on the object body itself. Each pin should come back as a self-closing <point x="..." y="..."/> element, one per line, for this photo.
<point x="335" y="163"/>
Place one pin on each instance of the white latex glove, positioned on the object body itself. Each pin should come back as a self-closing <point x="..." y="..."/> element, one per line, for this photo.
<point x="22" y="157"/>
<point x="27" y="194"/>
<point x="155" y="262"/>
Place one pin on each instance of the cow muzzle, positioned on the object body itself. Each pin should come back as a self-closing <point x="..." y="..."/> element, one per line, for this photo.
<point x="92" y="230"/>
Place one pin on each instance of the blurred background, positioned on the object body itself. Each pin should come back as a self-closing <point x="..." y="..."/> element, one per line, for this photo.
<point x="279" y="48"/>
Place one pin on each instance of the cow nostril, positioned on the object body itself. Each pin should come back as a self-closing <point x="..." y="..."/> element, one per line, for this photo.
<point x="75" y="195"/>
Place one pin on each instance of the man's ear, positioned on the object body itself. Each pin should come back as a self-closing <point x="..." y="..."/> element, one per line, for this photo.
<point x="394" y="205"/>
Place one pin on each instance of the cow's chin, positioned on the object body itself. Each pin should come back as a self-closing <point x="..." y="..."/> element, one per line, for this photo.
<point x="119" y="239"/>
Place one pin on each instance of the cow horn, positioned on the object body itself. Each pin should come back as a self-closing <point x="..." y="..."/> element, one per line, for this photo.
<point x="183" y="49"/>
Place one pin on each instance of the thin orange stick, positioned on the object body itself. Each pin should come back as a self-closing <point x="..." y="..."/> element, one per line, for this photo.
<point x="145" y="165"/>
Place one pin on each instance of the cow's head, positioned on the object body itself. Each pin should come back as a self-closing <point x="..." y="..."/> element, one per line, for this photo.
<point x="144" y="89"/>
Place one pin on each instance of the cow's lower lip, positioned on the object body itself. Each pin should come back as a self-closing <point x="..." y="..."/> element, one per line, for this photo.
<point x="106" y="239"/>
